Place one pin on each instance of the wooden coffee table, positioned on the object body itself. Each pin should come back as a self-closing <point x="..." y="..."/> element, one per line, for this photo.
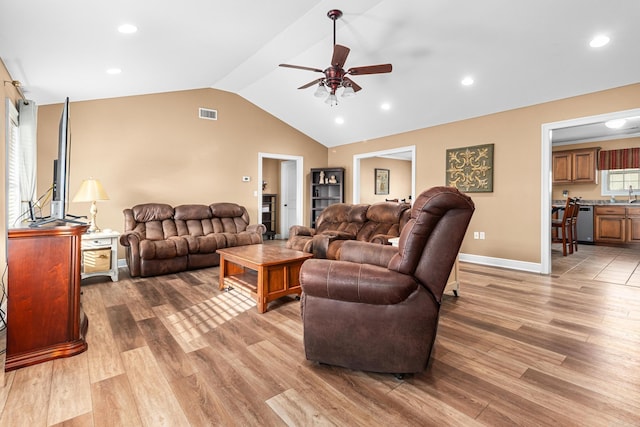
<point x="275" y="271"/>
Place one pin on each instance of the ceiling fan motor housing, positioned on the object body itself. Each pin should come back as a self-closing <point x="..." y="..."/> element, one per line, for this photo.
<point x="333" y="77"/>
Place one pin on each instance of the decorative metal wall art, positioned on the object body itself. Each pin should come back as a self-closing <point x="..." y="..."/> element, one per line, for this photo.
<point x="470" y="169"/>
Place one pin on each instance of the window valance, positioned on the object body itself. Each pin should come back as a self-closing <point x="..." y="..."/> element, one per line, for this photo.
<point x="625" y="158"/>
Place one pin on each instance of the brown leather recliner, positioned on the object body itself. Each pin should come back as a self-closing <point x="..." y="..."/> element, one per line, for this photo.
<point x="376" y="308"/>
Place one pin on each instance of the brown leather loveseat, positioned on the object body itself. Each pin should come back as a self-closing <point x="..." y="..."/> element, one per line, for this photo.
<point x="342" y="222"/>
<point x="376" y="308"/>
<point x="161" y="239"/>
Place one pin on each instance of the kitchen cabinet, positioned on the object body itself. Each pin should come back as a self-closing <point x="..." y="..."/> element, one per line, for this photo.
<point x="327" y="188"/>
<point x="575" y="166"/>
<point x="617" y="224"/>
<point x="633" y="222"/>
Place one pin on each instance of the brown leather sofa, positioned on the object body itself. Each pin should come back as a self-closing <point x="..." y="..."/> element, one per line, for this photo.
<point x="340" y="222"/>
<point x="160" y="239"/>
<point x="376" y="308"/>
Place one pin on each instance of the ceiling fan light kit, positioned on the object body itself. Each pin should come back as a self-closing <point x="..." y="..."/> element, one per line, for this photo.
<point x="335" y="77"/>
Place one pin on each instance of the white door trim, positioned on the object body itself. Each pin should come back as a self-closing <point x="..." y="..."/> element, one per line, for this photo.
<point x="299" y="180"/>
<point x="547" y="181"/>
<point x="356" y="168"/>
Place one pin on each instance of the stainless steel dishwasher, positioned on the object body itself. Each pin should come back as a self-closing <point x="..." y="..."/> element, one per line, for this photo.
<point x="585" y="224"/>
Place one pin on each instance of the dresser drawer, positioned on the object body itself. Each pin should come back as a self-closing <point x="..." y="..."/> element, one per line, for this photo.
<point x="96" y="243"/>
<point x="610" y="210"/>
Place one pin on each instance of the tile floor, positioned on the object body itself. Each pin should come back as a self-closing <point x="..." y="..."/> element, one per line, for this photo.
<point x="600" y="263"/>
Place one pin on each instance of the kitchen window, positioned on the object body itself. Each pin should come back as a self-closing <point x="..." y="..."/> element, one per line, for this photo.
<point x="616" y="182"/>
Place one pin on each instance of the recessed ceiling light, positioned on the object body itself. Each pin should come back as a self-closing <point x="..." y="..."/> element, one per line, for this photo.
<point x="114" y="71"/>
<point x="467" y="81"/>
<point x="339" y="120"/>
<point x="615" y="124"/>
<point x="127" y="29"/>
<point x="385" y="106"/>
<point x="599" y="41"/>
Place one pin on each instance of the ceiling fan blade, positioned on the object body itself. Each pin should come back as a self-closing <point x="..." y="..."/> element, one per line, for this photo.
<point x="340" y="54"/>
<point x="351" y="83"/>
<point x="370" y="69"/>
<point x="300" y="67"/>
<point x="311" y="84"/>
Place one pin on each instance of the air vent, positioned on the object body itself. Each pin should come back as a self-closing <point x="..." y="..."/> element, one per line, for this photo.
<point x="205" y="113"/>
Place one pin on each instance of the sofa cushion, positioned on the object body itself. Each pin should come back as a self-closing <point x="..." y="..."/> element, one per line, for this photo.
<point x="228" y="218"/>
<point x="152" y="212"/>
<point x="342" y="217"/>
<point x="242" y="238"/>
<point x="162" y="249"/>
<point x="187" y="212"/>
<point x="205" y="244"/>
<point x="382" y="218"/>
<point x="193" y="220"/>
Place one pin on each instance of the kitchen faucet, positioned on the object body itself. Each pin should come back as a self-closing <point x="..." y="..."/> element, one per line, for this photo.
<point x="632" y="197"/>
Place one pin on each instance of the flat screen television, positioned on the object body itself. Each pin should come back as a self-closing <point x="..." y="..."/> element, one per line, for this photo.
<point x="60" y="199"/>
<point x="61" y="167"/>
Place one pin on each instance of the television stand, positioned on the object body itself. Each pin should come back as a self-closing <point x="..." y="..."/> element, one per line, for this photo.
<point x="46" y="317"/>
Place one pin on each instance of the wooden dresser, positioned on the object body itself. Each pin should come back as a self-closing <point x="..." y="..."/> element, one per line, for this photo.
<point x="44" y="317"/>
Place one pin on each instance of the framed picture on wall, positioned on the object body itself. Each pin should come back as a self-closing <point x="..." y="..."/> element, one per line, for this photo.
<point x="382" y="181"/>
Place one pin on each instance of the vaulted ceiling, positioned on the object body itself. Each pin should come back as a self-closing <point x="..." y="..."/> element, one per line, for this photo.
<point x="517" y="52"/>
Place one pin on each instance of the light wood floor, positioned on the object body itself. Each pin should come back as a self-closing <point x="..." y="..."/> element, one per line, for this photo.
<point x="513" y="349"/>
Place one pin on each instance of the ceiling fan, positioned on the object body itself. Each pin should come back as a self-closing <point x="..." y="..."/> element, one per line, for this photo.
<point x="335" y="76"/>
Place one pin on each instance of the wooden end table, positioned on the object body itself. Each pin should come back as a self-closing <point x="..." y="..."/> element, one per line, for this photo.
<point x="275" y="271"/>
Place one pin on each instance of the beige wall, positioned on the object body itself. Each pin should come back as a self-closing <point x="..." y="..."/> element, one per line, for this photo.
<point x="517" y="161"/>
<point x="154" y="148"/>
<point x="271" y="174"/>
<point x="591" y="191"/>
<point x="399" y="179"/>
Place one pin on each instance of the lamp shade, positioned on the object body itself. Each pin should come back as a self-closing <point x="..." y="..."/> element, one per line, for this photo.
<point x="90" y="191"/>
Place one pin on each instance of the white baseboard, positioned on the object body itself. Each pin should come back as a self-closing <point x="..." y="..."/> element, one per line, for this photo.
<point x="530" y="267"/>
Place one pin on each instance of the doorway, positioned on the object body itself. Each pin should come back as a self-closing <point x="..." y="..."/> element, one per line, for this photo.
<point x="407" y="153"/>
<point x="290" y="195"/>
<point x="547" y="131"/>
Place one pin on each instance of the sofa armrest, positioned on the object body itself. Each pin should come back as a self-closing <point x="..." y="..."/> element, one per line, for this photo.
<point x="359" y="283"/>
<point x="131" y="241"/>
<point x="301" y="230"/>
<point x="131" y="238"/>
<point x="257" y="228"/>
<point x="321" y="241"/>
<point x="367" y="253"/>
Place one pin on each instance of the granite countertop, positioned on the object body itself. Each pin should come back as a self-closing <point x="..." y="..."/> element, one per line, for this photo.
<point x="620" y="202"/>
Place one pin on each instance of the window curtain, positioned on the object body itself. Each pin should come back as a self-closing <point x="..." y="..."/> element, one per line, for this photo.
<point x="626" y="158"/>
<point x="12" y="199"/>
<point x="28" y="123"/>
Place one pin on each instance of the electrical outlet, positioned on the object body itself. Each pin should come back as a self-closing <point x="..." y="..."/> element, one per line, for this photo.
<point x="482" y="235"/>
<point x="476" y="235"/>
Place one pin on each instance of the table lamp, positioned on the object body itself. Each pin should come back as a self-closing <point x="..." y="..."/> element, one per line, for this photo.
<point x="90" y="191"/>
